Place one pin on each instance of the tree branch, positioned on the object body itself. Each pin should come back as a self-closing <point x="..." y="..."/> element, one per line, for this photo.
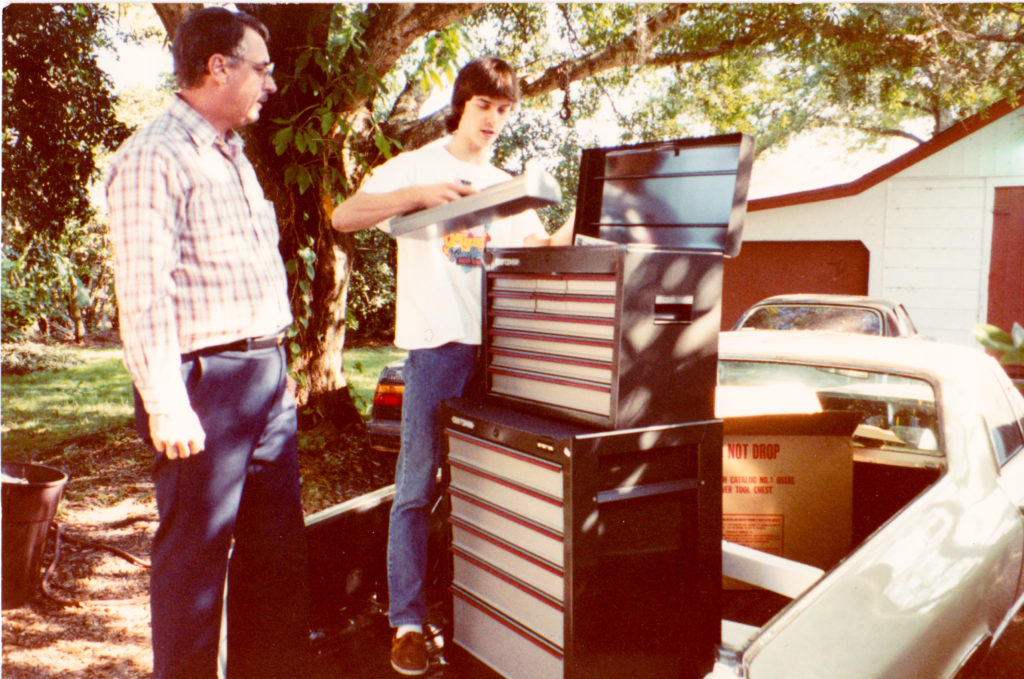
<point x="395" y="26"/>
<point x="409" y="102"/>
<point x="172" y="14"/>
<point x="962" y="35"/>
<point x="888" y="132"/>
<point x="391" y="29"/>
<point x="632" y="50"/>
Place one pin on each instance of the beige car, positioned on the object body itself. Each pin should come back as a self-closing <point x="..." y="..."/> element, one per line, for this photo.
<point x="925" y="571"/>
<point x="838" y="313"/>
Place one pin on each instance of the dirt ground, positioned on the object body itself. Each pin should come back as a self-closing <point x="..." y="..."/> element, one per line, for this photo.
<point x="106" y="636"/>
<point x="101" y="628"/>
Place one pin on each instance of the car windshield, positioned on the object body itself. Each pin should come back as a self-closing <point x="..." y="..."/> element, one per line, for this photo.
<point x="897" y="412"/>
<point x="815" y="317"/>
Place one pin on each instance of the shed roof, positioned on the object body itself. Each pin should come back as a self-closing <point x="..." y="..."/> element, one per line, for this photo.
<point x="947" y="137"/>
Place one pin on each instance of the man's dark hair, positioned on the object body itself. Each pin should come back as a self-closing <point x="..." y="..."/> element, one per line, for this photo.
<point x="209" y="31"/>
<point x="486" y="77"/>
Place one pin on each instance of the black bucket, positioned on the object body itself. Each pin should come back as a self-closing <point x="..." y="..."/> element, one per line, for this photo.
<point x="29" y="503"/>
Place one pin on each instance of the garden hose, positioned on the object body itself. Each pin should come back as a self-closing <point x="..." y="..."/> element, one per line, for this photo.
<point x="62" y="536"/>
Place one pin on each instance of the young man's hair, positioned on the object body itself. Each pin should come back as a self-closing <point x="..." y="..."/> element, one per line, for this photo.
<point x="209" y="31"/>
<point x="487" y="77"/>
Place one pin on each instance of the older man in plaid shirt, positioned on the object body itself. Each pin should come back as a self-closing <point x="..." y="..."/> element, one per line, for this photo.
<point x="203" y="304"/>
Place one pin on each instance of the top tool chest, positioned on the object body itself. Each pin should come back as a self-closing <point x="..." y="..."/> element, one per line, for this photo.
<point x="612" y="336"/>
<point x="623" y="332"/>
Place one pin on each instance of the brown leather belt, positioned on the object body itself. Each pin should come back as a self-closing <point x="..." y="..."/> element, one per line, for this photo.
<point x="247" y="344"/>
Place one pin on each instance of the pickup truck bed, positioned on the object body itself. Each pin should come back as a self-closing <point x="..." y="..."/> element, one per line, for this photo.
<point x="914" y="536"/>
<point x="348" y="542"/>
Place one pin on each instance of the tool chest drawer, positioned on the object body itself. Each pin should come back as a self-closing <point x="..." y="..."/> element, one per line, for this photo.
<point x="501" y="643"/>
<point x="533" y="609"/>
<point x="545" y="576"/>
<point x="528" y="471"/>
<point x="547" y="510"/>
<point x="530" y="536"/>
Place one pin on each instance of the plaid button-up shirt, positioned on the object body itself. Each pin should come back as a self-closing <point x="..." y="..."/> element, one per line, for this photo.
<point x="195" y="250"/>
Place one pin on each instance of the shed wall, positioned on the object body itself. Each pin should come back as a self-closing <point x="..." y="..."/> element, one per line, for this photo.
<point x="927" y="229"/>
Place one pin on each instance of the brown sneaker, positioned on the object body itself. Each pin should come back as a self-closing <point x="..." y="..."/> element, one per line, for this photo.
<point x="409" y="654"/>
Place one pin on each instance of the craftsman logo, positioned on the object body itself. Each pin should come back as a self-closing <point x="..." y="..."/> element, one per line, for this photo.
<point x="506" y="261"/>
<point x="461" y="422"/>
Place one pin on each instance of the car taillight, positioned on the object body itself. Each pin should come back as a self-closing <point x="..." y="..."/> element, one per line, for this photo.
<point x="388" y="395"/>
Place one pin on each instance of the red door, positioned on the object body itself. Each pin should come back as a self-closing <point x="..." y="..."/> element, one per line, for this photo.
<point x="1006" y="273"/>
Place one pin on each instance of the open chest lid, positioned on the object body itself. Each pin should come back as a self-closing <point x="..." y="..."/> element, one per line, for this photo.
<point x="686" y="193"/>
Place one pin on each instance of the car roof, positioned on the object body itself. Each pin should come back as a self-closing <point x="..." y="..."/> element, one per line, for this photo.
<point x="955" y="362"/>
<point x="844" y="300"/>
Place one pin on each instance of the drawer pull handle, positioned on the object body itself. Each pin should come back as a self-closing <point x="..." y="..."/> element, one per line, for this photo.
<point x="646" y="490"/>
<point x="673" y="309"/>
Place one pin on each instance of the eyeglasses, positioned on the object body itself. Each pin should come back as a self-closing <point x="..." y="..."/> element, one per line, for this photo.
<point x="265" y="69"/>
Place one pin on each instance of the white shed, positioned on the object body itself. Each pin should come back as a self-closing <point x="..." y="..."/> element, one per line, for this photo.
<point x="940" y="228"/>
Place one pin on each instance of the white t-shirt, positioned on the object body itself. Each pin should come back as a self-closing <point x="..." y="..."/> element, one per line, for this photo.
<point x="439" y="278"/>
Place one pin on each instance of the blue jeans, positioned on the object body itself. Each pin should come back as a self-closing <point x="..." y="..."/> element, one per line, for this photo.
<point x="431" y="376"/>
<point x="242" y="490"/>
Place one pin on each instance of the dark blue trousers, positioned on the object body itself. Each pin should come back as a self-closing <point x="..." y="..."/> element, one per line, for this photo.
<point x="239" y="497"/>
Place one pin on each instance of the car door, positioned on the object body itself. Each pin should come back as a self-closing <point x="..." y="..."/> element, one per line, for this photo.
<point x="918" y="596"/>
<point x="1006" y="420"/>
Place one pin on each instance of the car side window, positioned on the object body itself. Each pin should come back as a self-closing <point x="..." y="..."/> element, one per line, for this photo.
<point x="1004" y="415"/>
<point x="1016" y="401"/>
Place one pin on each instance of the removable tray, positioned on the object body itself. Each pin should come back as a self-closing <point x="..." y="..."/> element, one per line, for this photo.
<point x="529" y="191"/>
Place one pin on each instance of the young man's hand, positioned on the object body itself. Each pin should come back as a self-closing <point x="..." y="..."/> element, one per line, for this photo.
<point x="364" y="210"/>
<point x="432" y="195"/>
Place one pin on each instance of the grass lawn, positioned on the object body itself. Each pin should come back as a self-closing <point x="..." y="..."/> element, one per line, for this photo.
<point x="362" y="368"/>
<point x="51" y="408"/>
<point x="46" y="410"/>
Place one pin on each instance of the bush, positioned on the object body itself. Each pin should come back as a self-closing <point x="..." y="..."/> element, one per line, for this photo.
<point x="18" y="301"/>
<point x="29" y="357"/>
<point x="1008" y="347"/>
<point x="370" y="312"/>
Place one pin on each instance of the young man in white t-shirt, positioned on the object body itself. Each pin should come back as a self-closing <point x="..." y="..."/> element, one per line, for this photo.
<point x="438" y="311"/>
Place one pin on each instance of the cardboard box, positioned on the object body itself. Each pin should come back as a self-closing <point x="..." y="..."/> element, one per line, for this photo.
<point x="787" y="485"/>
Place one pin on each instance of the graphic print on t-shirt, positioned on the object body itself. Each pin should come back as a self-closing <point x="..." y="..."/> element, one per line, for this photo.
<point x="465" y="248"/>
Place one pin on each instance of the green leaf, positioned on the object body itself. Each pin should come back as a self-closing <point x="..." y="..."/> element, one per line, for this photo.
<point x="303" y="59"/>
<point x="1013" y="357"/>
<point x="283" y="138"/>
<point x="326" y="122"/>
<point x="993" y="338"/>
<point x="383" y="145"/>
<point x="303" y="179"/>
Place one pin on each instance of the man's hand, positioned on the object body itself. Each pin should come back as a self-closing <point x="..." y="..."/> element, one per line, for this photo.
<point x="177" y="436"/>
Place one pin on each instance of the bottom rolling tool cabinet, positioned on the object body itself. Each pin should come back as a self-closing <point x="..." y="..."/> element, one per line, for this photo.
<point x="578" y="552"/>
